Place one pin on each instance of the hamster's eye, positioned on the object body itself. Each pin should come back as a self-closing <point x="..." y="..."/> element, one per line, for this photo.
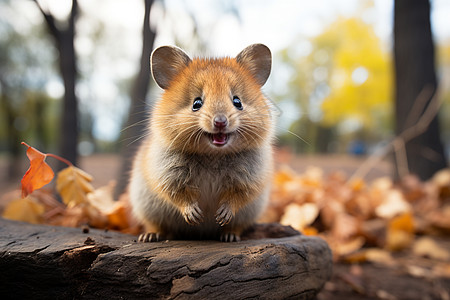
<point x="237" y="103"/>
<point x="198" y="103"/>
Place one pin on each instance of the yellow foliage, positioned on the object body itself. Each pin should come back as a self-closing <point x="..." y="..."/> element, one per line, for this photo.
<point x="360" y="77"/>
<point x="346" y="75"/>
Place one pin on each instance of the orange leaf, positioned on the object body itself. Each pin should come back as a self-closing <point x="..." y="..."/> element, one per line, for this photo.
<point x="39" y="173"/>
<point x="400" y="232"/>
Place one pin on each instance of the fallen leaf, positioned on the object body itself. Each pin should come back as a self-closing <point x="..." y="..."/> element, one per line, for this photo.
<point x="345" y="226"/>
<point x="341" y="248"/>
<point x="24" y="209"/>
<point x="311" y="231"/>
<point x="417" y="271"/>
<point x="400" y="232"/>
<point x="427" y="247"/>
<point x="300" y="216"/>
<point x="103" y="198"/>
<point x="393" y="204"/>
<point x="38" y="174"/>
<point x="73" y="185"/>
<point x="374" y="255"/>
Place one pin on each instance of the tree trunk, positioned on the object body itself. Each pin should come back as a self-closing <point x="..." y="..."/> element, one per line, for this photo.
<point x="64" y="39"/>
<point x="135" y="127"/>
<point x="415" y="72"/>
<point x="69" y="126"/>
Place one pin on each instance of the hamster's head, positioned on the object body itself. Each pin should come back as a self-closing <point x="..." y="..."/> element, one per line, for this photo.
<point x="212" y="105"/>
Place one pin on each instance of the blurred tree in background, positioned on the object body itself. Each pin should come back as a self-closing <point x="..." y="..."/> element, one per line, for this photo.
<point x="415" y="73"/>
<point x="63" y="33"/>
<point x="135" y="127"/>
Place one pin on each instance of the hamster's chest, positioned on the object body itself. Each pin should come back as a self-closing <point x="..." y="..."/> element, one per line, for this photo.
<point x="210" y="177"/>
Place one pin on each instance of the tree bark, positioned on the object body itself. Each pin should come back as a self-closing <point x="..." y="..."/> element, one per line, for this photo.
<point x="48" y="262"/>
<point x="64" y="39"/>
<point x="135" y="127"/>
<point x="414" y="73"/>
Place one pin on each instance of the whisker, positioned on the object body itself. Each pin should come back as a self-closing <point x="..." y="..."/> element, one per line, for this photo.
<point x="188" y="139"/>
<point x="134" y="124"/>
<point x="138" y="139"/>
<point x="180" y="133"/>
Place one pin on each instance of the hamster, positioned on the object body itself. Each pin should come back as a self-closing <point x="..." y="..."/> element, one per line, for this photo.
<point x="205" y="168"/>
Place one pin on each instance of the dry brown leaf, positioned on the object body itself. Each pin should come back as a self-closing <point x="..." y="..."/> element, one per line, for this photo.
<point x="427" y="247"/>
<point x="313" y="177"/>
<point x="300" y="216"/>
<point x="394" y="204"/>
<point x="103" y="198"/>
<point x="341" y="248"/>
<point x="73" y="185"/>
<point x="417" y="271"/>
<point x="25" y="209"/>
<point x="374" y="255"/>
<point x="329" y="212"/>
<point x="441" y="178"/>
<point x="440" y="218"/>
<point x="345" y="226"/>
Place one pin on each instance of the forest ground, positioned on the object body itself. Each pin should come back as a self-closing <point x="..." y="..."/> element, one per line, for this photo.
<point x="349" y="281"/>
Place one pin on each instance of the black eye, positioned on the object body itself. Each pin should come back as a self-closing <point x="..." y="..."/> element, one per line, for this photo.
<point x="237" y="102"/>
<point x="198" y="103"/>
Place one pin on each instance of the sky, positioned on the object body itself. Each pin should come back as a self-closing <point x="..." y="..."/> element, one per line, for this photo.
<point x="226" y="26"/>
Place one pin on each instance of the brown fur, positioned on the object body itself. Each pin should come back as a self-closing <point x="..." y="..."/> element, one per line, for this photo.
<point x="179" y="176"/>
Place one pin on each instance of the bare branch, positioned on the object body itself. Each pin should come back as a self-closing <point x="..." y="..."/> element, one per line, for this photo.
<point x="398" y="143"/>
<point x="50" y="20"/>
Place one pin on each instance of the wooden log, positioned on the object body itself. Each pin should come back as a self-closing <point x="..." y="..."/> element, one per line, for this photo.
<point x="48" y="262"/>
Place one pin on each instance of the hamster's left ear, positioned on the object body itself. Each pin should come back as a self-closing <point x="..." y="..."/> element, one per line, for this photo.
<point x="166" y="62"/>
<point x="258" y="59"/>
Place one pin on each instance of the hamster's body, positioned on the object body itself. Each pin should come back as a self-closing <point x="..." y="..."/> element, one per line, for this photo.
<point x="204" y="171"/>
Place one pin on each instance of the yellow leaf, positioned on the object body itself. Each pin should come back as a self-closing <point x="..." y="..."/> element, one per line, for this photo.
<point x="26" y="210"/>
<point x="73" y="185"/>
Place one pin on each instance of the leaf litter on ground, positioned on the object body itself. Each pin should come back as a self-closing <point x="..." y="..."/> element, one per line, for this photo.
<point x="361" y="221"/>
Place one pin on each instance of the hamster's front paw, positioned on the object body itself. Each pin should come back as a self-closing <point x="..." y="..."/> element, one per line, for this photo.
<point x="192" y="214"/>
<point x="224" y="214"/>
<point x="150" y="237"/>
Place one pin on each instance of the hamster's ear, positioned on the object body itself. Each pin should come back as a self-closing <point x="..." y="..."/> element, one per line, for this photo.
<point x="258" y="59"/>
<point x="166" y="62"/>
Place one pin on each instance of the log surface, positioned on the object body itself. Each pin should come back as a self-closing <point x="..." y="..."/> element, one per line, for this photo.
<point x="48" y="262"/>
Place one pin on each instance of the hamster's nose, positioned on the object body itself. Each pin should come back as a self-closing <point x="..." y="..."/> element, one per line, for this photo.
<point x="220" y="122"/>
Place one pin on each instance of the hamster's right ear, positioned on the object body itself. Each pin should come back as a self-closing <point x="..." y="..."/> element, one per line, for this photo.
<point x="166" y="62"/>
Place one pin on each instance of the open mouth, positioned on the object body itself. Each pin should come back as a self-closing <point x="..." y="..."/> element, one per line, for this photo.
<point x="219" y="139"/>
